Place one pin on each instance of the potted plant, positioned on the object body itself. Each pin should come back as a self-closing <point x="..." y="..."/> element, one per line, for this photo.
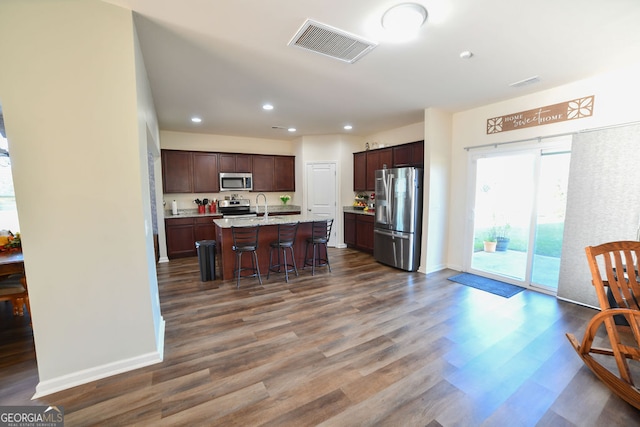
<point x="502" y="237"/>
<point x="285" y="198"/>
<point x="490" y="242"/>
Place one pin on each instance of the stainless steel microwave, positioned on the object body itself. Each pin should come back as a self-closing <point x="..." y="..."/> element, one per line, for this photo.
<point x="230" y="181"/>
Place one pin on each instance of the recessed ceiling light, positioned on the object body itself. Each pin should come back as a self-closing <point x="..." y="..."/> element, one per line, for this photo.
<point x="404" y="19"/>
<point x="466" y="54"/>
<point x="196" y="119"/>
<point x="348" y="127"/>
<point x="267" y="107"/>
<point x="291" y="129"/>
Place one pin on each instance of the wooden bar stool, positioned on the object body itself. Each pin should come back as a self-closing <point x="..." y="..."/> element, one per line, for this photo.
<point x="320" y="233"/>
<point x="245" y="239"/>
<point x="286" y="238"/>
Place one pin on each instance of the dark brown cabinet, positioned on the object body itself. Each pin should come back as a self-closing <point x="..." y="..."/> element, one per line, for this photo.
<point x="364" y="233"/>
<point x="205" y="173"/>
<point x="180" y="237"/>
<point x="358" y="231"/>
<point x="204" y="229"/>
<point x="189" y="172"/>
<point x="411" y="154"/>
<point x="183" y="233"/>
<point x="360" y="171"/>
<point x="365" y="163"/>
<point x="198" y="171"/>
<point x="274" y="173"/>
<point x="377" y="159"/>
<point x="263" y="170"/>
<point x="230" y="162"/>
<point x="284" y="173"/>
<point x="350" y="229"/>
<point x="177" y="171"/>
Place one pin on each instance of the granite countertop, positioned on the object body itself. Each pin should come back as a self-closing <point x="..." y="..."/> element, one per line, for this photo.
<point x="275" y="209"/>
<point x="271" y="209"/>
<point x="190" y="213"/>
<point x="269" y="220"/>
<point x="351" y="209"/>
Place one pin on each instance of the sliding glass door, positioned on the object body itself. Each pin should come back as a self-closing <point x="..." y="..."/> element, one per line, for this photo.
<point x="518" y="217"/>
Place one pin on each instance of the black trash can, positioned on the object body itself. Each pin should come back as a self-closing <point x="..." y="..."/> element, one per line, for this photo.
<point x="207" y="259"/>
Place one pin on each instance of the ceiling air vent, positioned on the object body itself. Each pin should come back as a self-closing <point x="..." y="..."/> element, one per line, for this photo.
<point x="331" y="42"/>
<point x="525" y="82"/>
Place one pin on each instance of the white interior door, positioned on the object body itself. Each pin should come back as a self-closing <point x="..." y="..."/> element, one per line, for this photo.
<point x="322" y="193"/>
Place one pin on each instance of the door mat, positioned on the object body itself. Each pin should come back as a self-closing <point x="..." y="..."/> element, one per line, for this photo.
<point x="489" y="285"/>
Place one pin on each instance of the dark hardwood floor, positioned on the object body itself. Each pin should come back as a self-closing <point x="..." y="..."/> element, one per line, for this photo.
<point x="363" y="345"/>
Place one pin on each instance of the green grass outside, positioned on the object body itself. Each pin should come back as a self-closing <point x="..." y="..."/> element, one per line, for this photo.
<point x="548" y="240"/>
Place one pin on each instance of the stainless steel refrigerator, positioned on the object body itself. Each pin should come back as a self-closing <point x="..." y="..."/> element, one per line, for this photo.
<point x="398" y="224"/>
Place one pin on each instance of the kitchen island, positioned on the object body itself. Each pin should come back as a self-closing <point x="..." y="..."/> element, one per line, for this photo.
<point x="267" y="234"/>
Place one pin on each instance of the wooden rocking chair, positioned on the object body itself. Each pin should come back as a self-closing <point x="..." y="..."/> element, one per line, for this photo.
<point x="619" y="298"/>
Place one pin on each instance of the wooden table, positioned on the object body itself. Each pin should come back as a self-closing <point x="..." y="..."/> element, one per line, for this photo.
<point x="11" y="263"/>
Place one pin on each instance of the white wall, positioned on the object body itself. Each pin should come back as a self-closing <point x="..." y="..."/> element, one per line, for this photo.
<point x="331" y="148"/>
<point x="437" y="170"/>
<point x="73" y="122"/>
<point x="401" y="135"/>
<point x="614" y="104"/>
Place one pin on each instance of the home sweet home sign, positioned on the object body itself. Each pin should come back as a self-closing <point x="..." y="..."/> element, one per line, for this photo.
<point x="569" y="110"/>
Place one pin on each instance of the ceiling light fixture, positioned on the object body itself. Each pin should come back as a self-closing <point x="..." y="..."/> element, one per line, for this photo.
<point x="404" y="19"/>
<point x="348" y="127"/>
<point x="267" y="107"/>
<point x="466" y="54"/>
<point x="196" y="119"/>
<point x="292" y="129"/>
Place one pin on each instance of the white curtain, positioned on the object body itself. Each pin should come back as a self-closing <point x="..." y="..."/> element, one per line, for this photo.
<point x="603" y="203"/>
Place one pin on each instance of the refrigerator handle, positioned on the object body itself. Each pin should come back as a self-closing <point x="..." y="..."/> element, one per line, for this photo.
<point x="394" y="234"/>
<point x="391" y="209"/>
<point x="386" y="196"/>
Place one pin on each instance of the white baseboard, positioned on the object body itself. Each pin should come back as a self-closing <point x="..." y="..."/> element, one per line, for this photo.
<point x="160" y="338"/>
<point x="74" y="379"/>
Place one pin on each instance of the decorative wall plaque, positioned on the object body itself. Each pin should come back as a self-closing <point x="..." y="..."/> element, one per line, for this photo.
<point x="570" y="110"/>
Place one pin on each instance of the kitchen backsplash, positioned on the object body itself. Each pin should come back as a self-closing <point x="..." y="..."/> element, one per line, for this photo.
<point x="186" y="201"/>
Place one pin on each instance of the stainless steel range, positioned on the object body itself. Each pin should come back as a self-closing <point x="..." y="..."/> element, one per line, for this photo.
<point x="235" y="208"/>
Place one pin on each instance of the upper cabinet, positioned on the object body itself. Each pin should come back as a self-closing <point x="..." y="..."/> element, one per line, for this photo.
<point x="198" y="171"/>
<point x="230" y="162"/>
<point x="377" y="159"/>
<point x="189" y="172"/>
<point x="360" y="171"/>
<point x="411" y="154"/>
<point x="177" y="171"/>
<point x="263" y="170"/>
<point x="205" y="173"/>
<point x="365" y="163"/>
<point x="285" y="173"/>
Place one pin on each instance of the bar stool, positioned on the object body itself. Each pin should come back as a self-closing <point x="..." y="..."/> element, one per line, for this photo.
<point x="320" y="233"/>
<point x="286" y="239"/>
<point x="245" y="239"/>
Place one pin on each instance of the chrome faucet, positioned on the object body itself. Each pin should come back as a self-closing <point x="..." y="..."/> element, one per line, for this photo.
<point x="265" y="204"/>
